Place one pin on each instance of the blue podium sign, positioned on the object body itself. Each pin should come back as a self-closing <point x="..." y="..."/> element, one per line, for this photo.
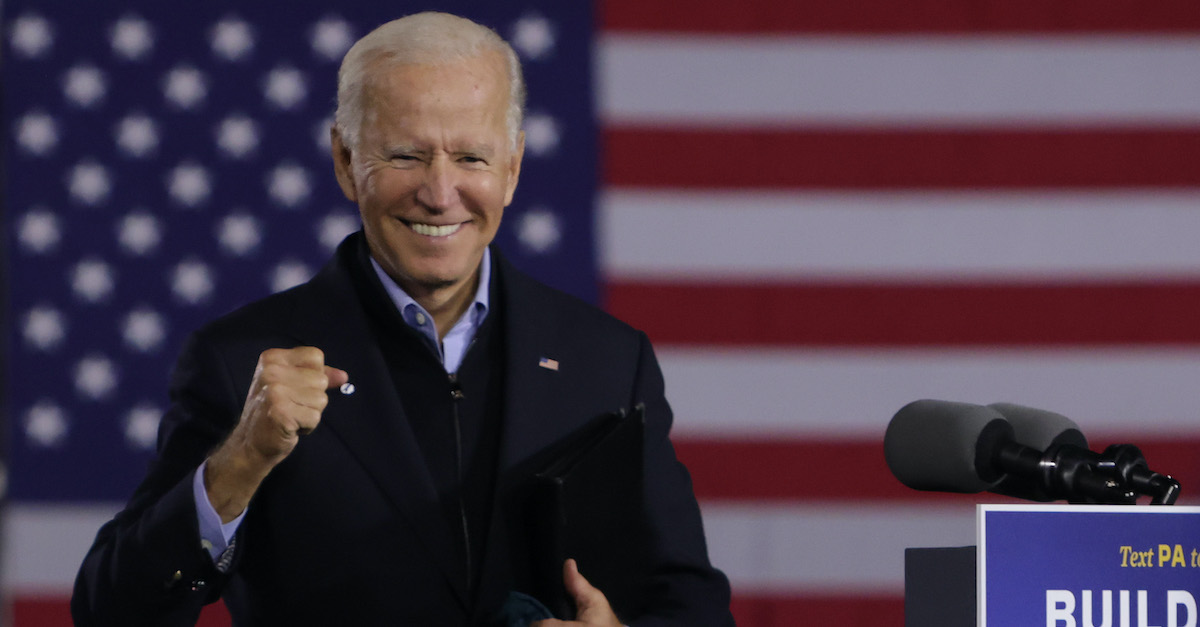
<point x="1088" y="566"/>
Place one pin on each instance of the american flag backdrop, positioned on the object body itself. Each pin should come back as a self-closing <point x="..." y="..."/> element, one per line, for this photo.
<point x="819" y="211"/>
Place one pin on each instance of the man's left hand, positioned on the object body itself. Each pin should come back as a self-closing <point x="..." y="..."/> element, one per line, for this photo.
<point x="591" y="607"/>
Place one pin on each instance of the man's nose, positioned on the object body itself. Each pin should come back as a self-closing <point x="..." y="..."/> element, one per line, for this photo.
<point x="440" y="188"/>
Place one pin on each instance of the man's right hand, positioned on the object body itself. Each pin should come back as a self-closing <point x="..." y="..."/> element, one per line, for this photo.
<point x="286" y="399"/>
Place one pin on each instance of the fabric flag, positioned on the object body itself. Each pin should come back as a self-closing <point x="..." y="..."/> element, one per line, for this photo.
<point x="820" y="211"/>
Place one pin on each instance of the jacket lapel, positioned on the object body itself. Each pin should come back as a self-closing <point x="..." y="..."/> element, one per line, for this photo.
<point x="531" y="389"/>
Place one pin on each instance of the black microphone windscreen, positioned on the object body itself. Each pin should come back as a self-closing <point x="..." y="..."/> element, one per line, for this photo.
<point x="1040" y="429"/>
<point x="945" y="446"/>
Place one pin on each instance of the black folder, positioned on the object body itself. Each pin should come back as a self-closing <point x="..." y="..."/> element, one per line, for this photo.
<point x="587" y="505"/>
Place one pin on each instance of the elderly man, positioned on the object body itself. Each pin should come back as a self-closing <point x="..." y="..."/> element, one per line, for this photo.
<point x="352" y="451"/>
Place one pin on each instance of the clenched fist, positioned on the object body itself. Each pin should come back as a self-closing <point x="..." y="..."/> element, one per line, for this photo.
<point x="286" y="398"/>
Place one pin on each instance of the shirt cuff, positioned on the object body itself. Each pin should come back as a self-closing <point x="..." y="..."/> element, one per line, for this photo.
<point x="215" y="537"/>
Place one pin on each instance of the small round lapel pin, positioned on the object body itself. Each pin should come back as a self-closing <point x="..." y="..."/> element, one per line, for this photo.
<point x="347" y="388"/>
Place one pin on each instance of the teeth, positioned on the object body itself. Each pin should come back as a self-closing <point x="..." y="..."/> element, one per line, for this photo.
<point x="434" y="231"/>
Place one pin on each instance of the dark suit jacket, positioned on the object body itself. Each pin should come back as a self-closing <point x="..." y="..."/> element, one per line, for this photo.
<point x="347" y="530"/>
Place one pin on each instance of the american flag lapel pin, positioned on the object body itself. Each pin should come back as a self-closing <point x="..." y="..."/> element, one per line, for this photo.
<point x="548" y="364"/>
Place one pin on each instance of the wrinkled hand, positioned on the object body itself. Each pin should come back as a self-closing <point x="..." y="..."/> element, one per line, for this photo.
<point x="286" y="399"/>
<point x="591" y="606"/>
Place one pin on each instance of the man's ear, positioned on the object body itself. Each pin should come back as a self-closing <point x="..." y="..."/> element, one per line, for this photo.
<point x="343" y="168"/>
<point x="514" y="168"/>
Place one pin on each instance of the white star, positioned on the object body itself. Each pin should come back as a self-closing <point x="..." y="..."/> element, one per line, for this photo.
<point x="237" y="136"/>
<point x="185" y="87"/>
<point x="144" y="330"/>
<point x="137" y="135"/>
<point x="89" y="183"/>
<point x="334" y="228"/>
<point x="131" y="37"/>
<point x="188" y="184"/>
<point x="32" y="35"/>
<point x="539" y="230"/>
<point x="192" y="282"/>
<point x="289" y="274"/>
<point x="92" y="280"/>
<point x="139" y="233"/>
<point x="84" y="85"/>
<point x="141" y="426"/>
<point x="45" y="328"/>
<point x="285" y="87"/>
<point x="37" y="133"/>
<point x="288" y="185"/>
<point x="39" y="231"/>
<point x="46" y="424"/>
<point x="239" y="234"/>
<point x="331" y="38"/>
<point x="231" y="38"/>
<point x="95" y="377"/>
<point x="542" y="134"/>
<point x="533" y="36"/>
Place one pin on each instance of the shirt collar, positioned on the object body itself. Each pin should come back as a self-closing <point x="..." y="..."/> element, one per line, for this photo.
<point x="409" y="307"/>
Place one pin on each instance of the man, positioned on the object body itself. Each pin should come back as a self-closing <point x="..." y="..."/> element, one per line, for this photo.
<point x="354" y="451"/>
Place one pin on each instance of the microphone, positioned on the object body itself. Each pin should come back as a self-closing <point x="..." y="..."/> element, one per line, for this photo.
<point x="1038" y="429"/>
<point x="962" y="447"/>
<point x="945" y="446"/>
<point x="1041" y="429"/>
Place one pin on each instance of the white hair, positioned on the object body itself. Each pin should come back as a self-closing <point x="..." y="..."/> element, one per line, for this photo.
<point x="422" y="38"/>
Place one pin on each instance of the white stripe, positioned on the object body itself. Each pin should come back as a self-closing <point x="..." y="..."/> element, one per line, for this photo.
<point x="817" y="547"/>
<point x="44" y="545"/>
<point x="841" y="393"/>
<point x="827" y="547"/>
<point x="926" y="80"/>
<point x="898" y="235"/>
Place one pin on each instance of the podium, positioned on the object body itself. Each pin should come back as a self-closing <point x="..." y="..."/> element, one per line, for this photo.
<point x="939" y="587"/>
<point x="1062" y="566"/>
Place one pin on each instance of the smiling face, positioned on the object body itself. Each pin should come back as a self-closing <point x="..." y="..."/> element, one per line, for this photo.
<point x="433" y="171"/>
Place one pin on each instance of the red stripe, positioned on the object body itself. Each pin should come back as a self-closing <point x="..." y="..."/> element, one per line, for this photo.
<point x="791" y="470"/>
<point x="788" y="611"/>
<point x="913" y="16"/>
<point x="918" y="314"/>
<point x="53" y="611"/>
<point x="781" y="469"/>
<point x="642" y="156"/>
<point x="777" y="610"/>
